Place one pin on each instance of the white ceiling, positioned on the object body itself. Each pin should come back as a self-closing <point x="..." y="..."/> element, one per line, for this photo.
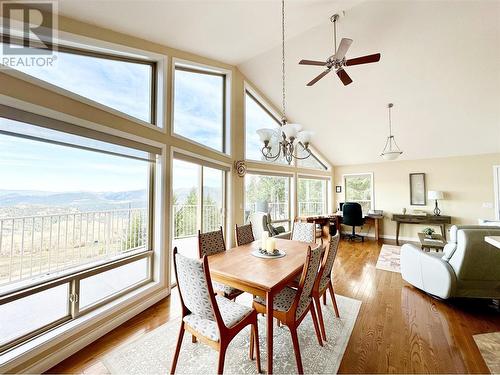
<point x="440" y="65"/>
<point x="231" y="31"/>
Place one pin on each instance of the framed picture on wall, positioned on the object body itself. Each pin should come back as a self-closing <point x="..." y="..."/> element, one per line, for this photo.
<point x="417" y="189"/>
<point x="338" y="189"/>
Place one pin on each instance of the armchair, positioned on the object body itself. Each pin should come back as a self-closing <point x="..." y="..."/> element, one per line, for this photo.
<point x="467" y="267"/>
<point x="261" y="222"/>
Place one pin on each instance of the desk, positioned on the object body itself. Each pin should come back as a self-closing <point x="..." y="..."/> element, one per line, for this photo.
<point x="323" y="221"/>
<point x="369" y="219"/>
<point x="421" y="219"/>
<point x="237" y="267"/>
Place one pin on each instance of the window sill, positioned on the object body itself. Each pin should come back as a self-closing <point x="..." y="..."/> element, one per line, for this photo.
<point x="79" y="332"/>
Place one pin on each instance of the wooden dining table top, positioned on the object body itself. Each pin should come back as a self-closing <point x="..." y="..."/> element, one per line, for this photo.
<point x="239" y="268"/>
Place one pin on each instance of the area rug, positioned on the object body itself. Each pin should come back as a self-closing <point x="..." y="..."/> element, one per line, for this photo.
<point x="152" y="353"/>
<point x="489" y="346"/>
<point x="388" y="259"/>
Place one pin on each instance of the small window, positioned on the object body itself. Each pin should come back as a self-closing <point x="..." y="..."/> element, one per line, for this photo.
<point x="312" y="196"/>
<point x="257" y="116"/>
<point x="199" y="107"/>
<point x="124" y="84"/>
<point x="359" y="188"/>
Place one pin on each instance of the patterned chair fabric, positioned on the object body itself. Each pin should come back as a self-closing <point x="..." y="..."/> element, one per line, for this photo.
<point x="211" y="242"/>
<point x="227" y="290"/>
<point x="311" y="273"/>
<point x="332" y="253"/>
<point x="244" y="234"/>
<point x="281" y="301"/>
<point x="193" y="286"/>
<point x="305" y="232"/>
<point x="231" y="312"/>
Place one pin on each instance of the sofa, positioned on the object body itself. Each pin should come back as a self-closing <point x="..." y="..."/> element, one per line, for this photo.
<point x="467" y="267"/>
<point x="261" y="222"/>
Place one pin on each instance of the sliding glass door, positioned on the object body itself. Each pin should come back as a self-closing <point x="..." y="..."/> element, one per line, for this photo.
<point x="198" y="203"/>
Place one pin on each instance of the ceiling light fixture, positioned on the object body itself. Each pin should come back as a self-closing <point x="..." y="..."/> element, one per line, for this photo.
<point x="391" y="149"/>
<point x="291" y="134"/>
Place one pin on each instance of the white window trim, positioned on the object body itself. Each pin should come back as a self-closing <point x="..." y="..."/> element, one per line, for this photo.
<point x="73" y="40"/>
<point x="372" y="203"/>
<point x="160" y="284"/>
<point x="228" y="73"/>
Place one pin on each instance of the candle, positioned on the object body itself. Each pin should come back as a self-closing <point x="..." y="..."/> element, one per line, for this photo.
<point x="265" y="236"/>
<point x="271" y="245"/>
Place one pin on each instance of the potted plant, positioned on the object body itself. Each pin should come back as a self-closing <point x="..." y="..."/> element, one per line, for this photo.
<point x="428" y="232"/>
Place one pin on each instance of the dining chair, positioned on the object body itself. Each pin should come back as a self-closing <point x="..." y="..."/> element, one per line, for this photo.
<point x="290" y="306"/>
<point x="305" y="232"/>
<point x="212" y="319"/>
<point x="244" y="234"/>
<point x="213" y="243"/>
<point x="323" y="281"/>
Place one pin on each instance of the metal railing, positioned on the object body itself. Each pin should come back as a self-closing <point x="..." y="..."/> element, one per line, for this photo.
<point x="32" y="246"/>
<point x="311" y="208"/>
<point x="186" y="220"/>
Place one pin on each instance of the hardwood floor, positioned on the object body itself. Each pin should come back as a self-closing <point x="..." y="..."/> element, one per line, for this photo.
<point x="399" y="329"/>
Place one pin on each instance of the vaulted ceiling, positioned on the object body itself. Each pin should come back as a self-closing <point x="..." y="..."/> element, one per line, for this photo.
<point x="440" y="65"/>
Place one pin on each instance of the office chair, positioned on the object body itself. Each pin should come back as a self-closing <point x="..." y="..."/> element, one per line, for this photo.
<point x="352" y="215"/>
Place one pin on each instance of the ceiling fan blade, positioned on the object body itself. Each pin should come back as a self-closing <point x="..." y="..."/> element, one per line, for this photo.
<point x="318" y="77"/>
<point x="345" y="43"/>
<point x="312" y="62"/>
<point x="344" y="77"/>
<point x="363" y="60"/>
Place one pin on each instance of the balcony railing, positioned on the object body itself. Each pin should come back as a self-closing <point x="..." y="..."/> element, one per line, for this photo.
<point x="311" y="208"/>
<point x="186" y="219"/>
<point x="33" y="246"/>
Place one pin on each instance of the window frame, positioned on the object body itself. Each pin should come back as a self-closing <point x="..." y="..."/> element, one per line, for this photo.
<point x="326" y="190"/>
<point x="192" y="67"/>
<point x="372" y="187"/>
<point x="73" y="276"/>
<point x="290" y="176"/>
<point x="65" y="48"/>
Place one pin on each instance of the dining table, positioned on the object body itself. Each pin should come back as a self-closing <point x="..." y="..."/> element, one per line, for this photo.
<point x="238" y="268"/>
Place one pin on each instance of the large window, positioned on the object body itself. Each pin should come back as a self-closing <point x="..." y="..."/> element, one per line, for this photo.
<point x="199" y="107"/>
<point x="125" y="84"/>
<point x="75" y="222"/>
<point x="312" y="196"/>
<point x="268" y="194"/>
<point x="312" y="162"/>
<point x="359" y="188"/>
<point x="257" y="116"/>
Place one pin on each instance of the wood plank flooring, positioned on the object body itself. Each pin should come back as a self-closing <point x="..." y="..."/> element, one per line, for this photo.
<point x="399" y="329"/>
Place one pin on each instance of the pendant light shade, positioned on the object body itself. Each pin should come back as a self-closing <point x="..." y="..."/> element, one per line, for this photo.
<point x="391" y="149"/>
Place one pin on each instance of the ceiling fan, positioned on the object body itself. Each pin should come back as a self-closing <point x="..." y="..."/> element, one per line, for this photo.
<point x="338" y="61"/>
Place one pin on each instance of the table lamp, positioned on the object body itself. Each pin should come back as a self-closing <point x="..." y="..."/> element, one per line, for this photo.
<point x="436" y="195"/>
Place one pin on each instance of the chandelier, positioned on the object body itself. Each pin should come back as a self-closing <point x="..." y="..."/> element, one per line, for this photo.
<point x="291" y="134"/>
<point x="391" y="149"/>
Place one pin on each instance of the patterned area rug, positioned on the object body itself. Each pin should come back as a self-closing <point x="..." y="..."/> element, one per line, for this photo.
<point x="388" y="259"/>
<point x="152" y="353"/>
<point x="489" y="346"/>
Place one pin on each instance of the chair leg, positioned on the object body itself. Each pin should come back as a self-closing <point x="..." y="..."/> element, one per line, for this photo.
<point x="278" y="323"/>
<point x="222" y="357"/>
<point x="320" y="317"/>
<point x="255" y="329"/>
<point x="334" y="301"/>
<point x="316" y="325"/>
<point x="296" y="349"/>
<point x="324" y="299"/>
<point x="193" y="339"/>
<point x="177" y="349"/>
<point x="252" y="338"/>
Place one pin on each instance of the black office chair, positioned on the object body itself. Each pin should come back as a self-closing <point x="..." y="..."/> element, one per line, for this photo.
<point x="352" y="215"/>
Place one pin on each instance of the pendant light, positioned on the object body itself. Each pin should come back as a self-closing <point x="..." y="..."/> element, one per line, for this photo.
<point x="391" y="149"/>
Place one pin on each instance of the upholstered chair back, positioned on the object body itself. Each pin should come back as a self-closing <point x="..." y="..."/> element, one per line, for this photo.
<point x="305" y="232"/>
<point x="311" y="270"/>
<point x="259" y="222"/>
<point x="244" y="234"/>
<point x="193" y="286"/>
<point x="211" y="243"/>
<point x="330" y="255"/>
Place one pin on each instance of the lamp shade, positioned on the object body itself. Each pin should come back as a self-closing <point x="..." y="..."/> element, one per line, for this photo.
<point x="265" y="134"/>
<point x="291" y="130"/>
<point x="305" y="136"/>
<point x="434" y="194"/>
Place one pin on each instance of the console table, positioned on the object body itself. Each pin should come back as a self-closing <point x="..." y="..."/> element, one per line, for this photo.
<point x="421" y="219"/>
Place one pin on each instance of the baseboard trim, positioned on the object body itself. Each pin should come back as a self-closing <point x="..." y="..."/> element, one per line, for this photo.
<point x="384" y="236"/>
<point x="127" y="312"/>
